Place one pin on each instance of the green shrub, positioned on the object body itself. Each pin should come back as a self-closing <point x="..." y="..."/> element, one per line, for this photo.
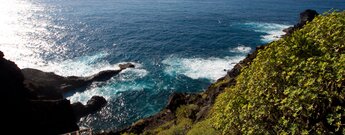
<point x="185" y="111"/>
<point x="294" y="86"/>
<point x="220" y="83"/>
<point x="181" y="128"/>
<point x="159" y="129"/>
<point x="203" y="128"/>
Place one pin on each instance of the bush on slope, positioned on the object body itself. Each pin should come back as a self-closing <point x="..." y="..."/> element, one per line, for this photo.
<point x="294" y="86"/>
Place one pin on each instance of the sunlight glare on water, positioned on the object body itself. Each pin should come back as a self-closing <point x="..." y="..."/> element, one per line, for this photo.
<point x="14" y="30"/>
<point x="22" y="33"/>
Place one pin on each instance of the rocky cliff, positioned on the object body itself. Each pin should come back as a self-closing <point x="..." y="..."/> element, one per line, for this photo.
<point x="24" y="110"/>
<point x="33" y="100"/>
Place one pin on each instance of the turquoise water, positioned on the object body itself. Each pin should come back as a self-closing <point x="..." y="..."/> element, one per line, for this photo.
<point x="177" y="45"/>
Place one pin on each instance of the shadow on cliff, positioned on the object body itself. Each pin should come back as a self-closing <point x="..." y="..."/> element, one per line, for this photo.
<point x="33" y="102"/>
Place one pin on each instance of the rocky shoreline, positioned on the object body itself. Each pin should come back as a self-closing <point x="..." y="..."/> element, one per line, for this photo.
<point x="52" y="85"/>
<point x="204" y="100"/>
<point x="34" y="99"/>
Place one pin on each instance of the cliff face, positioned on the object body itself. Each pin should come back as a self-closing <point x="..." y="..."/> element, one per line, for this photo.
<point x="24" y="110"/>
<point x="196" y="113"/>
<point x="33" y="99"/>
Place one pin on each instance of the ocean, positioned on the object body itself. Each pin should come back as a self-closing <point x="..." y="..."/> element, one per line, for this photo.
<point x="176" y="45"/>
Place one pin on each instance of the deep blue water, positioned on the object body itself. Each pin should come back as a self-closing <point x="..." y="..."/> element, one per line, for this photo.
<point x="177" y="45"/>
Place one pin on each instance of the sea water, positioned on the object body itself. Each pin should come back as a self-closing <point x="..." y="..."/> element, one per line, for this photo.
<point x="176" y="45"/>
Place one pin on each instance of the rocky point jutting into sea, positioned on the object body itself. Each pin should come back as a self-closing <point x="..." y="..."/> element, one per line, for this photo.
<point x="33" y="99"/>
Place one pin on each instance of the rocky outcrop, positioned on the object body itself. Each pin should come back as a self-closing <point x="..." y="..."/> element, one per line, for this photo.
<point x="304" y="17"/>
<point x="126" y="65"/>
<point x="22" y="109"/>
<point x="33" y="101"/>
<point x="43" y="81"/>
<point x="93" y="105"/>
<point x="204" y="100"/>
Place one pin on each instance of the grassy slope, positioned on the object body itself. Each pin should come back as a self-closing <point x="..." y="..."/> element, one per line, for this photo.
<point x="294" y="86"/>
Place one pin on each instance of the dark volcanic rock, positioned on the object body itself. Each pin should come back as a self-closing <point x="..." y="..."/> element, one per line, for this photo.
<point x="175" y="100"/>
<point x="44" y="81"/>
<point x="178" y="99"/>
<point x="127" y="65"/>
<point x="306" y="16"/>
<point x="1" y="55"/>
<point x="37" y="107"/>
<point x="21" y="108"/>
<point x="78" y="109"/>
<point x="96" y="103"/>
<point x="102" y="76"/>
<point x="52" y="117"/>
<point x="93" y="105"/>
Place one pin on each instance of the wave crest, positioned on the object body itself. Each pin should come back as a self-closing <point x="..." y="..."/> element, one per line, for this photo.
<point x="273" y="31"/>
<point x="198" y="68"/>
<point x="124" y="81"/>
<point x="241" y="49"/>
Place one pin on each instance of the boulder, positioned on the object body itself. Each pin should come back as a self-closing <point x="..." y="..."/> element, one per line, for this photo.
<point x="307" y="16"/>
<point x="95" y="104"/>
<point x="127" y="65"/>
<point x="79" y="110"/>
<point x="304" y="17"/>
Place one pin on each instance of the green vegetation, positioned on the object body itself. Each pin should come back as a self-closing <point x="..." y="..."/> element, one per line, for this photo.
<point x="180" y="126"/>
<point x="183" y="122"/>
<point x="220" y="83"/>
<point x="203" y="128"/>
<point x="294" y="86"/>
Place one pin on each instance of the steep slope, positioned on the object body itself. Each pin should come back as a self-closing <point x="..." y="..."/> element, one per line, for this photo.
<point x="294" y="86"/>
<point x="291" y="86"/>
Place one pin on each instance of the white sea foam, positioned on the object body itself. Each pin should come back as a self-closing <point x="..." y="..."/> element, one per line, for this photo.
<point x="197" y="68"/>
<point x="132" y="74"/>
<point x="241" y="49"/>
<point x="80" y="66"/>
<point x="272" y="31"/>
<point x="125" y="81"/>
<point x="89" y="65"/>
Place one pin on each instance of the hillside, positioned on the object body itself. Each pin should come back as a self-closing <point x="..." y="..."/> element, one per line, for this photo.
<point x="294" y="86"/>
<point x="291" y="86"/>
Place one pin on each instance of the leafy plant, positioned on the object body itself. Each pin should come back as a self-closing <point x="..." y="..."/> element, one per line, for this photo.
<point x="294" y="86"/>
